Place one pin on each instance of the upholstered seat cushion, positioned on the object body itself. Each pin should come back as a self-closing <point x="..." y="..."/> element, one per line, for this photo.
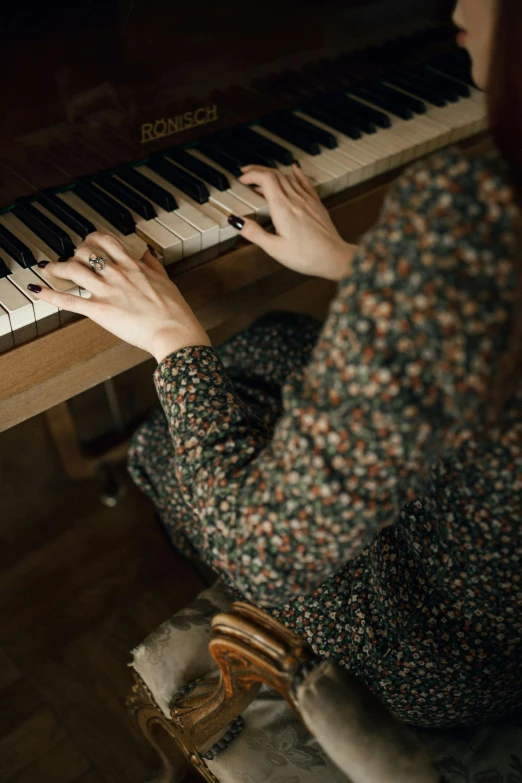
<point x="330" y="703"/>
<point x="177" y="652"/>
<point x="274" y="747"/>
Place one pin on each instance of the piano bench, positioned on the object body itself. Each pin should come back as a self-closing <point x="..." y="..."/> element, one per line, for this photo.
<point x="224" y="689"/>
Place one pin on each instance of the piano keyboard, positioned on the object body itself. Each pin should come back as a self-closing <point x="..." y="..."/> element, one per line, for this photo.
<point x="179" y="200"/>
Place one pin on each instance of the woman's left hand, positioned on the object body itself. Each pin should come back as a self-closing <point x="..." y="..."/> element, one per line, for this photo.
<point x="135" y="300"/>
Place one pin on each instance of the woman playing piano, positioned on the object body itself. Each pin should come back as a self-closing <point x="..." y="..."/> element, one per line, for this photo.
<point x="363" y="480"/>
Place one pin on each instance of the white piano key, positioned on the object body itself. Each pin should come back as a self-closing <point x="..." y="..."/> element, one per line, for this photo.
<point x="190" y="236"/>
<point x="357" y="150"/>
<point x="323" y="182"/>
<point x="165" y="242"/>
<point x="64" y="286"/>
<point x="205" y="225"/>
<point x="20" y="311"/>
<point x="348" y="173"/>
<point x="255" y="201"/>
<point x="46" y="315"/>
<point x="40" y="251"/>
<point x="420" y="134"/>
<point x="134" y="245"/>
<point x="383" y="149"/>
<point x="226" y="231"/>
<point x="6" y="334"/>
<point x="440" y="115"/>
<point x="22" y="277"/>
<point x="224" y="200"/>
<point x="228" y="203"/>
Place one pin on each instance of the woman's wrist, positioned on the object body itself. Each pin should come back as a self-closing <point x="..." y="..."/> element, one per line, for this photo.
<point x="340" y="263"/>
<point x="168" y="341"/>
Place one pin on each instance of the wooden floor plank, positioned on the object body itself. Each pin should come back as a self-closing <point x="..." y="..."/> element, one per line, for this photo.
<point x="8" y="671"/>
<point x="71" y="573"/>
<point x="18" y="701"/>
<point x="62" y="764"/>
<point x="29" y="742"/>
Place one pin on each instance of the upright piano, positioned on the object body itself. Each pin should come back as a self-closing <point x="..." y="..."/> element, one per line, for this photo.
<point x="134" y="116"/>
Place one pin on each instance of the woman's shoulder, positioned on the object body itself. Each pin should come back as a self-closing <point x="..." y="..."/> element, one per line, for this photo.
<point x="453" y="188"/>
<point x="449" y="222"/>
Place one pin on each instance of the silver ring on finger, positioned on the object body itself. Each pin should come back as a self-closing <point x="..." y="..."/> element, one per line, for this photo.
<point x="97" y="263"/>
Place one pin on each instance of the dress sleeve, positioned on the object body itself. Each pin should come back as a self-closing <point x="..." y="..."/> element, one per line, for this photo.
<point x="280" y="512"/>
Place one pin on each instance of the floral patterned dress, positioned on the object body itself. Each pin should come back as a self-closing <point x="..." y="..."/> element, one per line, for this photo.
<point x="338" y="474"/>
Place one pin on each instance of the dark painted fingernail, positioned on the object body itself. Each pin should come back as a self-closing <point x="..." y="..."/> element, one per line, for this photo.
<point x="34" y="288"/>
<point x="237" y="222"/>
<point x="297" y="163"/>
<point x="42" y="264"/>
<point x="152" y="251"/>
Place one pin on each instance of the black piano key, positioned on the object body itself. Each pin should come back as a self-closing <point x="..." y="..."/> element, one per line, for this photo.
<point x="395" y="97"/>
<point x="359" y="111"/>
<point x="339" y="109"/>
<point x="265" y="146"/>
<point x="287" y="130"/>
<point x="416" y="88"/>
<point x="150" y="189"/>
<point x="393" y="101"/>
<point x="322" y="136"/>
<point x="382" y="101"/>
<point x="186" y="182"/>
<point x="64" y="212"/>
<point x="237" y="151"/>
<point x="117" y="215"/>
<point x="438" y="82"/>
<point x="220" y="157"/>
<point x="4" y="269"/>
<point x="456" y="65"/>
<point x="335" y="120"/>
<point x="54" y="236"/>
<point x="459" y="87"/>
<point x="16" y="248"/>
<point x="139" y="204"/>
<point x="198" y="167"/>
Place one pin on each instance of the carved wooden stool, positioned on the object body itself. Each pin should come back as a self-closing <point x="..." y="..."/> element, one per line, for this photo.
<point x="224" y="688"/>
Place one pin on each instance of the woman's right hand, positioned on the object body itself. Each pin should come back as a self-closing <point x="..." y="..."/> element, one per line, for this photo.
<point x="305" y="238"/>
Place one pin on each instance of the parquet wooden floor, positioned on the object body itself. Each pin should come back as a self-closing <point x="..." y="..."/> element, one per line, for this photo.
<point x="80" y="586"/>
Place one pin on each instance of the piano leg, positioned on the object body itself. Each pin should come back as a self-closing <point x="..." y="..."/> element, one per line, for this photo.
<point x="77" y="464"/>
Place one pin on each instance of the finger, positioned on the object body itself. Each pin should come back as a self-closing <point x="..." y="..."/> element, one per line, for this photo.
<point x="268" y="180"/>
<point x="270" y="243"/>
<point x="290" y="188"/>
<point x="304" y="181"/>
<point x="74" y="304"/>
<point x="298" y="191"/>
<point x="76" y="270"/>
<point x="150" y="259"/>
<point x="110" y="247"/>
<point x="254" y="167"/>
<point x="111" y="272"/>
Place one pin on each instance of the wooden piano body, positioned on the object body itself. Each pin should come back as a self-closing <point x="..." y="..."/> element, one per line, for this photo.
<point x="113" y="79"/>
